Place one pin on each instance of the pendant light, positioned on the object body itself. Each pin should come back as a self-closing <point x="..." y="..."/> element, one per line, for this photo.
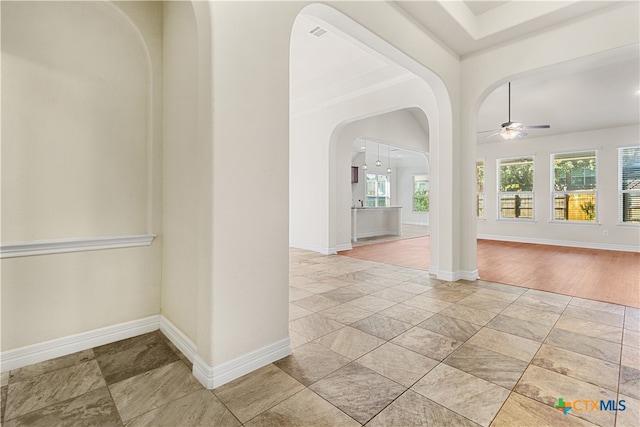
<point x="378" y="162"/>
<point x="389" y="157"/>
<point x="364" y="167"/>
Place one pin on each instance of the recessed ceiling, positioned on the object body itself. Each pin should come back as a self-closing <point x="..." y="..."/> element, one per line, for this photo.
<point x="480" y="7"/>
<point x="466" y="27"/>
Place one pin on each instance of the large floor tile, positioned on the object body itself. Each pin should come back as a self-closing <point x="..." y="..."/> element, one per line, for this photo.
<point x="394" y="295"/>
<point x="631" y="338"/>
<point x="258" y="391"/>
<point x="345" y="313"/>
<point x="447" y="294"/>
<point x="428" y="304"/>
<point x="310" y="362"/>
<point x="200" y="408"/>
<point x="593" y="315"/>
<point x="145" y="392"/>
<point x="350" y="342"/>
<point x="427" y="343"/>
<point x="630" y="416"/>
<point x="383" y="327"/>
<point x="51" y="388"/>
<point x="486" y="364"/>
<point x="413" y="409"/>
<point x="95" y="408"/>
<point x="510" y="345"/>
<point x="590" y="329"/>
<point x="343" y="294"/>
<point x="593" y="347"/>
<point x="630" y="356"/>
<point x="522" y="328"/>
<point x="589" y="369"/>
<point x="371" y="303"/>
<point x="407" y="314"/>
<point x="520" y="410"/>
<point x="486" y="303"/>
<point x="451" y="327"/>
<point x="463" y="393"/>
<point x="468" y="314"/>
<point x="547" y="387"/>
<point x="630" y="381"/>
<point x="397" y="363"/>
<point x="38" y="369"/>
<point x="544" y="300"/>
<point x="597" y="305"/>
<point x="316" y="303"/>
<point x="532" y="314"/>
<point x="131" y="357"/>
<point x="305" y="408"/>
<point x="314" y="326"/>
<point x="358" y="391"/>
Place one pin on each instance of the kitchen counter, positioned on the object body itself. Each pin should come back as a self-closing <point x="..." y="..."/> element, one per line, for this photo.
<point x="371" y="222"/>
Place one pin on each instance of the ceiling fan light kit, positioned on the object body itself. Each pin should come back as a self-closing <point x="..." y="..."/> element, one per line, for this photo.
<point x="511" y="130"/>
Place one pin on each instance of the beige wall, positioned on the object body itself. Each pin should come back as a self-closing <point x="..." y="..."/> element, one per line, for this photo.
<point x="81" y="105"/>
<point x="182" y="185"/>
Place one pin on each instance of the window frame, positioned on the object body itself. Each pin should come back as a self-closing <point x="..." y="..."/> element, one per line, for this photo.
<point x="555" y="193"/>
<point x="500" y="194"/>
<point x="621" y="191"/>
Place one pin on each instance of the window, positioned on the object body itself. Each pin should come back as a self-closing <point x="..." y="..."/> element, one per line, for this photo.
<point x="480" y="188"/>
<point x="421" y="193"/>
<point x="515" y="188"/>
<point x="629" y="184"/>
<point x="378" y="191"/>
<point x="574" y="186"/>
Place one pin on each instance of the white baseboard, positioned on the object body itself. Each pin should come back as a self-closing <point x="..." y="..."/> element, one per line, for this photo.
<point x="568" y="243"/>
<point x="210" y="377"/>
<point x="23" y="356"/>
<point x="215" y="376"/>
<point x="344" y="247"/>
<point x="454" y="276"/>
<point x="179" y="339"/>
<point x="313" y="248"/>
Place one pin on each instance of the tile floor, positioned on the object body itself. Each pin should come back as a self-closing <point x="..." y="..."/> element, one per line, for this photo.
<point x="372" y="344"/>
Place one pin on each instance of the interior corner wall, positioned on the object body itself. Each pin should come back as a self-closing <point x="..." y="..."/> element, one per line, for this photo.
<point x="182" y="189"/>
<point x="81" y="106"/>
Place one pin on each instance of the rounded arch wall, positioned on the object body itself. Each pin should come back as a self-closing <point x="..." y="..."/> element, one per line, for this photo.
<point x="313" y="149"/>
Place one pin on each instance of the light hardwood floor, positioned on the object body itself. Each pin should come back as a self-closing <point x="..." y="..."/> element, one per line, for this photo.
<point x="608" y="276"/>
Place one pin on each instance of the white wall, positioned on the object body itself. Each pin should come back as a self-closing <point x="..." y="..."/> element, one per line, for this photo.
<point x="182" y="187"/>
<point x="543" y="230"/>
<point x="81" y="106"/>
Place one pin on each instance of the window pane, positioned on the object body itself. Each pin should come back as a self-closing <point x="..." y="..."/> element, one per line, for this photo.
<point x="516" y="174"/>
<point x="574" y="207"/>
<point x="420" y="193"/>
<point x="630" y="163"/>
<point x="631" y="207"/>
<point x="516" y="206"/>
<point x="574" y="171"/>
<point x="479" y="176"/>
<point x="480" y="205"/>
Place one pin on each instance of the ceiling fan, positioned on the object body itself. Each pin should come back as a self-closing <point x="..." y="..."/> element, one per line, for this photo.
<point x="511" y="130"/>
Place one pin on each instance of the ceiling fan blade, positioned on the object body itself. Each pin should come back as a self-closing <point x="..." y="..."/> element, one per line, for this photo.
<point x="536" y="127"/>
<point x="485" y="131"/>
<point x="490" y="135"/>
